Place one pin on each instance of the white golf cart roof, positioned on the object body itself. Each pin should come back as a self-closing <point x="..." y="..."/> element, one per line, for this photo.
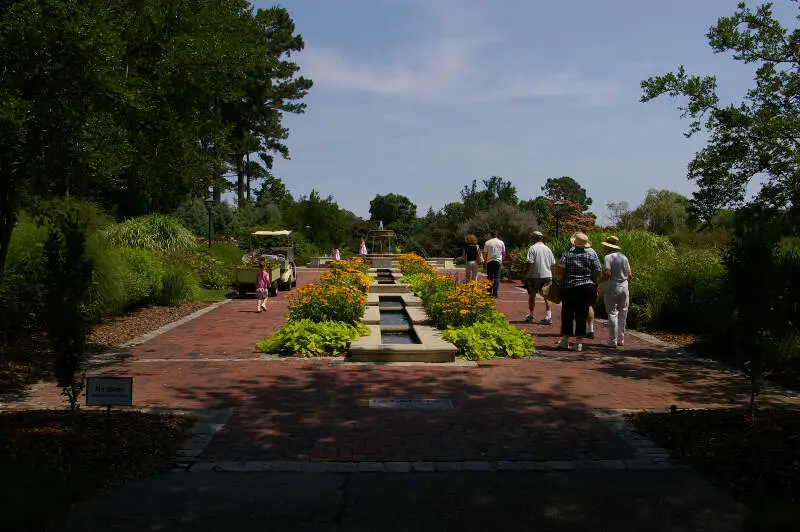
<point x="282" y="232"/>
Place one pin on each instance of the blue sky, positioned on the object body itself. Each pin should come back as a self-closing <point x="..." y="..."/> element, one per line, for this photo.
<point x="421" y="97"/>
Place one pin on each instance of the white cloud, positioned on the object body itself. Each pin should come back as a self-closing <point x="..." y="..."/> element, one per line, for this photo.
<point x="452" y="72"/>
<point x="464" y="66"/>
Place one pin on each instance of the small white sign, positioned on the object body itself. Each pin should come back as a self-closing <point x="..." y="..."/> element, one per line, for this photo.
<point x="109" y="391"/>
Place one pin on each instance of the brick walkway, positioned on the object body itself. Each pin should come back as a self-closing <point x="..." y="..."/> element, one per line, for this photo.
<point x="541" y="408"/>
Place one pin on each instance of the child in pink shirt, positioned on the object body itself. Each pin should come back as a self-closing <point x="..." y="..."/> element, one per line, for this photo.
<point x="262" y="288"/>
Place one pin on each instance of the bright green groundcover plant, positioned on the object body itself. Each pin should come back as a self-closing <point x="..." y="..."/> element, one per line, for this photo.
<point x="310" y="339"/>
<point x="489" y="339"/>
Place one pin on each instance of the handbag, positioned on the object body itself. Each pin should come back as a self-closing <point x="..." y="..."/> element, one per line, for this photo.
<point x="480" y="256"/>
<point x="555" y="291"/>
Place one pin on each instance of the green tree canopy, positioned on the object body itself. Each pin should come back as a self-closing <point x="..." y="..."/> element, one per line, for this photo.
<point x="662" y="212"/>
<point x="137" y="105"/>
<point x="392" y="209"/>
<point x="495" y="190"/>
<point x="566" y="188"/>
<point x="759" y="136"/>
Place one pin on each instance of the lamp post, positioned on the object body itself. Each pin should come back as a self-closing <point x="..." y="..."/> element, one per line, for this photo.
<point x="308" y="233"/>
<point x="557" y="213"/>
<point x="209" y="201"/>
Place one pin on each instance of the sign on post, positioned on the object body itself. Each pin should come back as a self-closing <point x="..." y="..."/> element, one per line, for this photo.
<point x="109" y="391"/>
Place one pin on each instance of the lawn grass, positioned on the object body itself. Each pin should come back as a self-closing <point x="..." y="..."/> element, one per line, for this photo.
<point x="214" y="295"/>
<point x="50" y="460"/>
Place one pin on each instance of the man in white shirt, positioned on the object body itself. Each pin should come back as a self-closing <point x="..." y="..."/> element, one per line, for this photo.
<point x="539" y="277"/>
<point x="494" y="249"/>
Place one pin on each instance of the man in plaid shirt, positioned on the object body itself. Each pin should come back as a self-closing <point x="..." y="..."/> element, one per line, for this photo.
<point x="580" y="269"/>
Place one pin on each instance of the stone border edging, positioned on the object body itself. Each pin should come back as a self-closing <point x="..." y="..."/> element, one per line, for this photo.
<point x="168" y="327"/>
<point x="420" y="467"/>
<point x="111" y="354"/>
<point x="207" y="424"/>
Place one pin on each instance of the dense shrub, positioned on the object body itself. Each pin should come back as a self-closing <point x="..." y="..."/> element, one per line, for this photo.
<point x="178" y="285"/>
<point x="485" y="340"/>
<point x="212" y="273"/>
<point x="154" y="232"/>
<point x="23" y="285"/>
<point x="144" y="271"/>
<point x="309" y="338"/>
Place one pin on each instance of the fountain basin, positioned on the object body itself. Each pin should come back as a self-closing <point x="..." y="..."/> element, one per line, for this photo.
<point x="432" y="348"/>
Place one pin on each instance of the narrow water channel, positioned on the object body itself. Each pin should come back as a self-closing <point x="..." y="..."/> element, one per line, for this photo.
<point x="395" y="325"/>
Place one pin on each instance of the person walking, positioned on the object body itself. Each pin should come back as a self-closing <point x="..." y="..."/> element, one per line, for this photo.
<point x="262" y="287"/>
<point x="580" y="269"/>
<point x="472" y="254"/>
<point x="362" y="250"/>
<point x="539" y="277"/>
<point x="494" y="249"/>
<point x="617" y="270"/>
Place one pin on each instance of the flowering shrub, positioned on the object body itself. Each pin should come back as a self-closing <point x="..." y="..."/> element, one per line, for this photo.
<point x="461" y="305"/>
<point x="327" y="302"/>
<point x="349" y="266"/>
<point x="572" y="218"/>
<point x="341" y="295"/>
<point x="411" y="263"/>
<point x="351" y="273"/>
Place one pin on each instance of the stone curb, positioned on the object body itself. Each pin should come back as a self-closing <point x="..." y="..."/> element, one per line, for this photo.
<point x="111" y="354"/>
<point x="647" y="455"/>
<point x="424" y="467"/>
<point x="207" y="424"/>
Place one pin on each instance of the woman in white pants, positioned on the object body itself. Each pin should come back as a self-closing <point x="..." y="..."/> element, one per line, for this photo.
<point x="617" y="270"/>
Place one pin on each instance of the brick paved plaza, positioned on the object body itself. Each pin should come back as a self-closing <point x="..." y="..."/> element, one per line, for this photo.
<point x="538" y="409"/>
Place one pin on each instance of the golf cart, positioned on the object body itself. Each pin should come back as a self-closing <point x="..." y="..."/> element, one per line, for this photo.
<point x="276" y="248"/>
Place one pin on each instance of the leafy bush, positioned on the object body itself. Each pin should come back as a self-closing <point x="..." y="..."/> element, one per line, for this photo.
<point x="154" y="232"/>
<point x="144" y="272"/>
<point x="177" y="286"/>
<point x="228" y="254"/>
<point x="212" y="274"/>
<point x="485" y="340"/>
<point x="22" y="287"/>
<point x="308" y="338"/>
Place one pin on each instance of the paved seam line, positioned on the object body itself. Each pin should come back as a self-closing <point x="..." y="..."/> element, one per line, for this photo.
<point x="207" y="424"/>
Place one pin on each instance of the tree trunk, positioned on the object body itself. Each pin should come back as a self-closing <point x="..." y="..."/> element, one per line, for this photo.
<point x="247" y="172"/>
<point x="240" y="179"/>
<point x="8" y="214"/>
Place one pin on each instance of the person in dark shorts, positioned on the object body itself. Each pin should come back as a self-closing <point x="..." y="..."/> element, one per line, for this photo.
<point x="539" y="276"/>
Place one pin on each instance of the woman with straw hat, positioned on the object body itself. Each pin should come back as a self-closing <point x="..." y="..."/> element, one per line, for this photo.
<point x="617" y="270"/>
<point x="580" y="269"/>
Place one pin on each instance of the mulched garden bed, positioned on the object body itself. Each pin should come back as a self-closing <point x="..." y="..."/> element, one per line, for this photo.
<point x="50" y="459"/>
<point x="757" y="463"/>
<point x="30" y="359"/>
